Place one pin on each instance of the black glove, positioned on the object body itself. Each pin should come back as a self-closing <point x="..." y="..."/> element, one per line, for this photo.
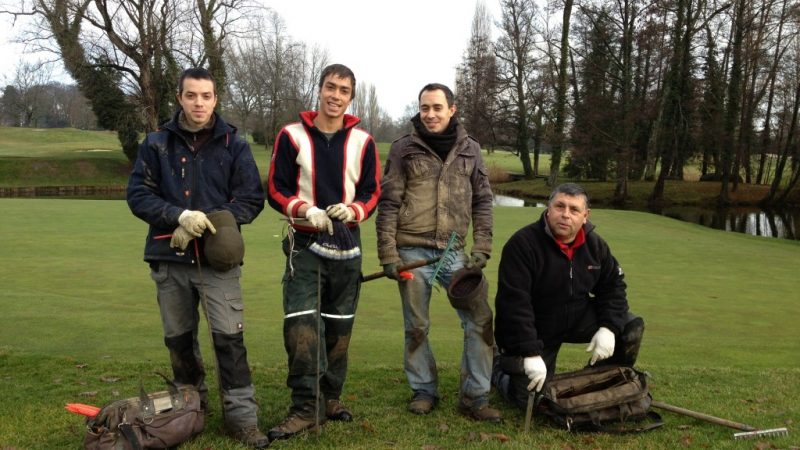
<point x="477" y="259"/>
<point x="390" y="270"/>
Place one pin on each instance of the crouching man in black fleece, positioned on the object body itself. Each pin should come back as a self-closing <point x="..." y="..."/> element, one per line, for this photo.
<point x="558" y="282"/>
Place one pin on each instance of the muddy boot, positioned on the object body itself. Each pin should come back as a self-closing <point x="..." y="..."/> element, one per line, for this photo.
<point x="482" y="413"/>
<point x="290" y="426"/>
<point x="335" y="410"/>
<point x="421" y="403"/>
<point x="250" y="436"/>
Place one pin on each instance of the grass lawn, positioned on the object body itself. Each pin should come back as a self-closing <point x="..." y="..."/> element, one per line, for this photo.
<point x="80" y="324"/>
<point x="60" y="157"/>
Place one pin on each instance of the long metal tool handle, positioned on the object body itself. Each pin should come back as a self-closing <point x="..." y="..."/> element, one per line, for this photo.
<point x="701" y="416"/>
<point x="409" y="266"/>
<point x="207" y="314"/>
<point x="529" y="411"/>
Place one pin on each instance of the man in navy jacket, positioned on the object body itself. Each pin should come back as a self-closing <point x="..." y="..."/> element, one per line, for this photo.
<point x="193" y="166"/>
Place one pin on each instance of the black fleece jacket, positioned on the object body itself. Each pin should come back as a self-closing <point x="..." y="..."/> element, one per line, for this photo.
<point x="541" y="294"/>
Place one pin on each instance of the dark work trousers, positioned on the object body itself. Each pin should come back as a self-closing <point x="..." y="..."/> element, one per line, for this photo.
<point x="180" y="287"/>
<point x="304" y="326"/>
<point x="508" y="374"/>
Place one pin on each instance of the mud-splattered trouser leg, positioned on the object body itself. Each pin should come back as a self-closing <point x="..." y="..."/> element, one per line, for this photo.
<point x="180" y="287"/>
<point x="419" y="362"/>
<point x="339" y="285"/>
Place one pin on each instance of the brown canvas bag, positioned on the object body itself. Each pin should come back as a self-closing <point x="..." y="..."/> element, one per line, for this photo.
<point x="604" y="398"/>
<point x="157" y="420"/>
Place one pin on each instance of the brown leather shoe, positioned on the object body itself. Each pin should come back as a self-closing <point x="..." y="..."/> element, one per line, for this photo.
<point x="483" y="413"/>
<point x="335" y="410"/>
<point x="421" y="404"/>
<point x="290" y="426"/>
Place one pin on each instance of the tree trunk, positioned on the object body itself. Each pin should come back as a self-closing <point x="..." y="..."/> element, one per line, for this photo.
<point x="561" y="97"/>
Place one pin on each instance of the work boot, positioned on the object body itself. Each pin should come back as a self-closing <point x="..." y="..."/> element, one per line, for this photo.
<point x="290" y="426"/>
<point x="251" y="436"/>
<point x="482" y="413"/>
<point x="421" y="403"/>
<point x="335" y="410"/>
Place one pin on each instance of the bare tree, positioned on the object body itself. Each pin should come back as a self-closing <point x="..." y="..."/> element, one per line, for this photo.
<point x="476" y="81"/>
<point x="514" y="51"/>
<point x="561" y="96"/>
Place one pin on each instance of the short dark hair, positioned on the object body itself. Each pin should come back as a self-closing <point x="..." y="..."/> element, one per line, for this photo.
<point x="448" y="94"/>
<point x="341" y="71"/>
<point x="571" y="189"/>
<point x="197" y="73"/>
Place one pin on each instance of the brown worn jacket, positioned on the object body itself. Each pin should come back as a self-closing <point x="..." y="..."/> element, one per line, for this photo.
<point x="424" y="199"/>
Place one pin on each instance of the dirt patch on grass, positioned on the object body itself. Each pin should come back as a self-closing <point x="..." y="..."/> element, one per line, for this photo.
<point x="85" y="169"/>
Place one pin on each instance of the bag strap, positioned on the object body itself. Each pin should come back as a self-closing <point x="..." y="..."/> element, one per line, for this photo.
<point x="127" y="430"/>
<point x="655" y="422"/>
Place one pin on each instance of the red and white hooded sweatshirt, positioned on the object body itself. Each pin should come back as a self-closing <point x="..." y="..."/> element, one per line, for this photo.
<point x="308" y="168"/>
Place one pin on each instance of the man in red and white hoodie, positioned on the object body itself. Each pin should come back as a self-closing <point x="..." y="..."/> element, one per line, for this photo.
<point x="324" y="170"/>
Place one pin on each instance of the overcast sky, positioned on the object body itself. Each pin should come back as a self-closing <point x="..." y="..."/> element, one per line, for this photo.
<point x="399" y="46"/>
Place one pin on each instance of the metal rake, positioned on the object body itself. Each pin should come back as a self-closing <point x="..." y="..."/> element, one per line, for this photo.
<point x="745" y="431"/>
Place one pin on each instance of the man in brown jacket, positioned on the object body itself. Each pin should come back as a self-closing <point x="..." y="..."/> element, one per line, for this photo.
<point x="435" y="183"/>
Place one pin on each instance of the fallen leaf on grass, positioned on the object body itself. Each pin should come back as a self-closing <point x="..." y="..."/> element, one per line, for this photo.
<point x="366" y="426"/>
<point x="352" y="398"/>
<point x="109" y="379"/>
<point x="443" y="427"/>
<point x="492" y="436"/>
<point x="502" y="437"/>
<point x="761" y="445"/>
<point x="88" y="394"/>
<point x="686" y="440"/>
<point x="430" y="447"/>
<point x="81" y="366"/>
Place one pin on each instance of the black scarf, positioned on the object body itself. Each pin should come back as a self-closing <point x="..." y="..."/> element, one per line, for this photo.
<point x="440" y="143"/>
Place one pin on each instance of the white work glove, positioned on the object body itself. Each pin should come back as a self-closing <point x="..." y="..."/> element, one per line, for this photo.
<point x="319" y="219"/>
<point x="180" y="238"/>
<point x="602" y="345"/>
<point x="342" y="212"/>
<point x="536" y="371"/>
<point x="195" y="222"/>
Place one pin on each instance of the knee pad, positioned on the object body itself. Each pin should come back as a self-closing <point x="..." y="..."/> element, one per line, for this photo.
<point x="631" y="340"/>
<point x="232" y="360"/>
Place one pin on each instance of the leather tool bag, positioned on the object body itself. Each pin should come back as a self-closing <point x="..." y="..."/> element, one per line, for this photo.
<point x="158" y="420"/>
<point x="612" y="399"/>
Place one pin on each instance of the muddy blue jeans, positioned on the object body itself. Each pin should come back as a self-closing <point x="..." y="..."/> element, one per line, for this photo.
<point x="419" y="362"/>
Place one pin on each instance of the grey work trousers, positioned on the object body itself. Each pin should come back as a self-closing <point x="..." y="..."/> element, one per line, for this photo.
<point x="181" y="288"/>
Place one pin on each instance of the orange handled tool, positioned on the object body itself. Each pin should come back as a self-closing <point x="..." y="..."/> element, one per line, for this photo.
<point x="85" y="410"/>
<point x="403" y="269"/>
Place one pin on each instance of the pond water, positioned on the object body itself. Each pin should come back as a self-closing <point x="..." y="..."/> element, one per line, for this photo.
<point x="754" y="221"/>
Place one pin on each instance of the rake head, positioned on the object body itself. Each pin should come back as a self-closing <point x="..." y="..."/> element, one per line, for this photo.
<point x="761" y="433"/>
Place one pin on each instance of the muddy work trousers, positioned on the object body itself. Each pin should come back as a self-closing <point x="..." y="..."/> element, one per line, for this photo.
<point x="319" y="302"/>
<point x="180" y="288"/>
